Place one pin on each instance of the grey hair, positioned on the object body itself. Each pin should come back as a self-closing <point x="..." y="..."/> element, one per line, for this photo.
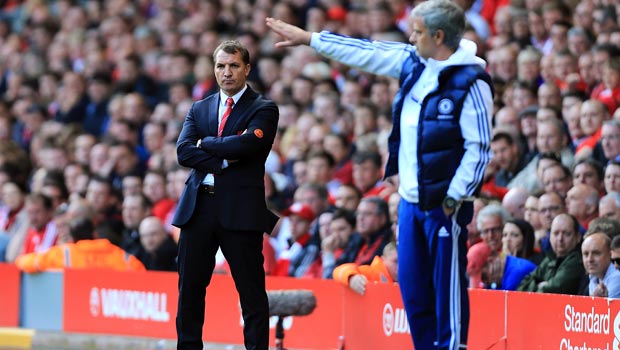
<point x="612" y="196"/>
<point x="442" y="15"/>
<point x="612" y="122"/>
<point x="493" y="209"/>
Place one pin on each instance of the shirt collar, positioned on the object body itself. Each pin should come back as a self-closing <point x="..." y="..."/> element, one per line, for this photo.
<point x="236" y="97"/>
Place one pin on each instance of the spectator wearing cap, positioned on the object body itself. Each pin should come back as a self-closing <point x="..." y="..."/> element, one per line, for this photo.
<point x="291" y="261"/>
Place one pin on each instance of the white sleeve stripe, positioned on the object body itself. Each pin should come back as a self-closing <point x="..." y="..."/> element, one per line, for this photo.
<point x="483" y="131"/>
<point x="361" y="43"/>
<point x="358" y="43"/>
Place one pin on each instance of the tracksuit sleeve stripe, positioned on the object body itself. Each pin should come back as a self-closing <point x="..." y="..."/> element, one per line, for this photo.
<point x="475" y="129"/>
<point x="484" y="131"/>
<point x="377" y="57"/>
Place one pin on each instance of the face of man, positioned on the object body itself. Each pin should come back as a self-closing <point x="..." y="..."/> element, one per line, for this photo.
<point x="555" y="180"/>
<point x="420" y="37"/>
<point x="549" y="138"/>
<point x="310" y="198"/>
<point x="133" y="212"/>
<point x="347" y="198"/>
<point x="612" y="178"/>
<point x="342" y="230"/>
<point x="564" y="238"/>
<point x="365" y="175"/>
<point x="38" y="215"/>
<point x="318" y="170"/>
<point x="531" y="213"/>
<point x="610" y="141"/>
<point x="591" y="118"/>
<point x="152" y="234"/>
<point x="491" y="232"/>
<point x="576" y="202"/>
<point x="596" y="254"/>
<point x="299" y="226"/>
<point x="549" y="206"/>
<point x="368" y="220"/>
<point x="607" y="209"/>
<point x="230" y="72"/>
<point x="586" y="174"/>
<point x="549" y="96"/>
<point x="504" y="154"/>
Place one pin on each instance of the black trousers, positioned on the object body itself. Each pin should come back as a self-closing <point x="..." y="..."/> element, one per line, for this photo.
<point x="198" y="244"/>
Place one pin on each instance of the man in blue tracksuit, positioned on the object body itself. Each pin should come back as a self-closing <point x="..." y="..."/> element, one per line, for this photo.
<point x="439" y="146"/>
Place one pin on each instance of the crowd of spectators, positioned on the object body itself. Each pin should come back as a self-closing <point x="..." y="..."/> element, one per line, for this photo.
<point x="94" y="94"/>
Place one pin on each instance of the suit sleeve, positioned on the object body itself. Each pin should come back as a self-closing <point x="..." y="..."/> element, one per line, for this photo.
<point x="258" y="136"/>
<point x="189" y="155"/>
<point x="475" y="123"/>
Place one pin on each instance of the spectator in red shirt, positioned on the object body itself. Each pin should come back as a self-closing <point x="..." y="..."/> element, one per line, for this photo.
<point x="42" y="233"/>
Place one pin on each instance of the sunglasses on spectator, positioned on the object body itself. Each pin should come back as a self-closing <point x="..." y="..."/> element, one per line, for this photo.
<point x="615" y="261"/>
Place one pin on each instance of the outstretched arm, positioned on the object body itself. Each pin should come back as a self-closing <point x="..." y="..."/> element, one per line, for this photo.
<point x="376" y="57"/>
<point x="292" y="35"/>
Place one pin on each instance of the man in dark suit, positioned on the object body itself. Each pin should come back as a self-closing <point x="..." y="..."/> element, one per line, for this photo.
<point x="223" y="203"/>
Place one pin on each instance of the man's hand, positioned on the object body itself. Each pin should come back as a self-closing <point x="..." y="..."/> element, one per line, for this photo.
<point x="600" y="291"/>
<point x="447" y="211"/>
<point x="330" y="243"/>
<point x="358" y="283"/>
<point x="292" y="35"/>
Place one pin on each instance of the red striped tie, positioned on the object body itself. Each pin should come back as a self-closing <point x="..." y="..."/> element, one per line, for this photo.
<point x="229" y="105"/>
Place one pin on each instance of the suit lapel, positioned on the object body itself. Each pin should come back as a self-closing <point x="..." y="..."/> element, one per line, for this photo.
<point x="212" y="117"/>
<point x="239" y="111"/>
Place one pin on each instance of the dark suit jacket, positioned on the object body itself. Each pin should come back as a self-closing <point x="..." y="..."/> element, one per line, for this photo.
<point x="247" y="137"/>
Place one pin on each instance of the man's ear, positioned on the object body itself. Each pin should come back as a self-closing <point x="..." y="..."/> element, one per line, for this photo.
<point x="439" y="36"/>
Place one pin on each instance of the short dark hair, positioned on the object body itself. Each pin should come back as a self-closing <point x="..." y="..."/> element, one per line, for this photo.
<point x="364" y="156"/>
<point x="615" y="242"/>
<point x="81" y="229"/>
<point x="232" y="47"/>
<point x="347" y="215"/>
<point x="593" y="163"/>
